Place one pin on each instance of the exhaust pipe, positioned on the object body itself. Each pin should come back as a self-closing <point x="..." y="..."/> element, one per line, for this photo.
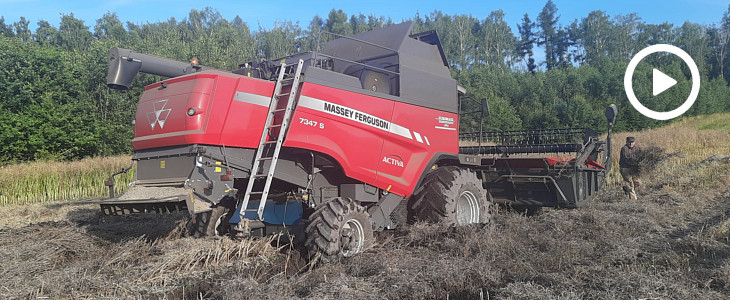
<point x="124" y="65"/>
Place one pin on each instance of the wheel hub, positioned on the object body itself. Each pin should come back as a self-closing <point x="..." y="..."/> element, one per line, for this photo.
<point x="352" y="238"/>
<point x="467" y="208"/>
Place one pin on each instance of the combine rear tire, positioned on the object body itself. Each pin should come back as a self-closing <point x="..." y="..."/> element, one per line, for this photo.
<point x="451" y="194"/>
<point x="339" y="228"/>
<point x="213" y="223"/>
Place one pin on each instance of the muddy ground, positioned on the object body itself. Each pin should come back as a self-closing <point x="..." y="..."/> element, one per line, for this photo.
<point x="673" y="243"/>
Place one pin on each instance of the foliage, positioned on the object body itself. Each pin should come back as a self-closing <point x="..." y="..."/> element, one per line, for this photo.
<point x="49" y="181"/>
<point x="54" y="103"/>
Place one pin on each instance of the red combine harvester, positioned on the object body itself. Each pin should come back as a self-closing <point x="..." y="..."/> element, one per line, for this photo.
<point x="335" y="144"/>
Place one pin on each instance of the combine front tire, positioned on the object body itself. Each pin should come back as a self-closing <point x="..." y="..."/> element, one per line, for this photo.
<point x="338" y="228"/>
<point x="451" y="194"/>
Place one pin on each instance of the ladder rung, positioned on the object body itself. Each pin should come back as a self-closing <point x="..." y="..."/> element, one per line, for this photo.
<point x="270" y="142"/>
<point x="266" y="158"/>
<point x="283" y="94"/>
<point x="251" y="210"/>
<point x="274" y="125"/>
<point x="260" y="175"/>
<point x="278" y="110"/>
<point x="255" y="193"/>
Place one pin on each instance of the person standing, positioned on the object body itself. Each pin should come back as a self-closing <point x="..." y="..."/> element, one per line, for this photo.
<point x="629" y="167"/>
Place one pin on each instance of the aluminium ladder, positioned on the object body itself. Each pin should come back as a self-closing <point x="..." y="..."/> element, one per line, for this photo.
<point x="270" y="145"/>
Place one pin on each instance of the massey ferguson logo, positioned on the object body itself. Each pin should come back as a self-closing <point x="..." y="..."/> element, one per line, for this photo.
<point x="159" y="115"/>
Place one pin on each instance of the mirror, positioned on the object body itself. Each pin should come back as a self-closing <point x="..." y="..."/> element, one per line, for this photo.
<point x="611" y="112"/>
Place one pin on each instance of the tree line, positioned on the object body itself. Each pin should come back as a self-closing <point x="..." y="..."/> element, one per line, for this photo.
<point x="54" y="103"/>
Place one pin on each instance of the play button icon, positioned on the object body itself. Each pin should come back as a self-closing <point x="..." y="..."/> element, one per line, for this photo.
<point x="661" y="82"/>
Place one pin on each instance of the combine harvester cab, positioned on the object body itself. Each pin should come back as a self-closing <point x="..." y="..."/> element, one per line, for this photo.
<point x="329" y="145"/>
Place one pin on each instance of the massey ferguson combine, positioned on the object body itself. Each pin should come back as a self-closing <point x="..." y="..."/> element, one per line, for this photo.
<point x="335" y="144"/>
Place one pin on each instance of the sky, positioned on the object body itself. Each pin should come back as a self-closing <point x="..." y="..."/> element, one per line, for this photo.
<point x="266" y="13"/>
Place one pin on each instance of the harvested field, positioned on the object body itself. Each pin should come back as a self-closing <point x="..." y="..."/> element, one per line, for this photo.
<point x="673" y="243"/>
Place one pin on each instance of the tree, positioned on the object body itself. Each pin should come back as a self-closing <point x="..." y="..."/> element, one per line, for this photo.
<point x="73" y="34"/>
<point x="279" y="41"/>
<point x="245" y="46"/>
<point x="313" y="34"/>
<point x="359" y="23"/>
<point x="624" y="36"/>
<point x="462" y="25"/>
<point x="720" y="36"/>
<point x="563" y="44"/>
<point x="418" y="24"/>
<point x="547" y="20"/>
<point x="694" y="40"/>
<point x="652" y="34"/>
<point x="379" y="22"/>
<point x="494" y="41"/>
<point x="6" y="30"/>
<point x="45" y="34"/>
<point x="527" y="42"/>
<point x="110" y="27"/>
<point x="337" y="23"/>
<point x="21" y="29"/>
<point x="596" y="29"/>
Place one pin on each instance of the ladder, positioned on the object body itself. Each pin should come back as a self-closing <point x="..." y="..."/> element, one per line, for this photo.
<point x="270" y="145"/>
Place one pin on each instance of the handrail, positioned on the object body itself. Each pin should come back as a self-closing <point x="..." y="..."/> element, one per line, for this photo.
<point x="357" y="63"/>
<point x="358" y="40"/>
<point x="317" y="53"/>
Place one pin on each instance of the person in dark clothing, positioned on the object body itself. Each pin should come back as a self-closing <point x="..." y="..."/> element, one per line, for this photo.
<point x="628" y="167"/>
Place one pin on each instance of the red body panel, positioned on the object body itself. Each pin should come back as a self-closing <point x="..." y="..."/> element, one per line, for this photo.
<point x="220" y="120"/>
<point x="245" y="120"/>
<point x="354" y="145"/>
<point x="390" y="155"/>
<point x="378" y="141"/>
<point x="428" y="136"/>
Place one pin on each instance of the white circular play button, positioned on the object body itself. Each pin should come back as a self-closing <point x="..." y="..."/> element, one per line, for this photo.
<point x="661" y="82"/>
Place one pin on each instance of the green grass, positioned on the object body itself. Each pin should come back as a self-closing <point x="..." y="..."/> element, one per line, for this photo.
<point x="716" y="122"/>
<point x="48" y="181"/>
